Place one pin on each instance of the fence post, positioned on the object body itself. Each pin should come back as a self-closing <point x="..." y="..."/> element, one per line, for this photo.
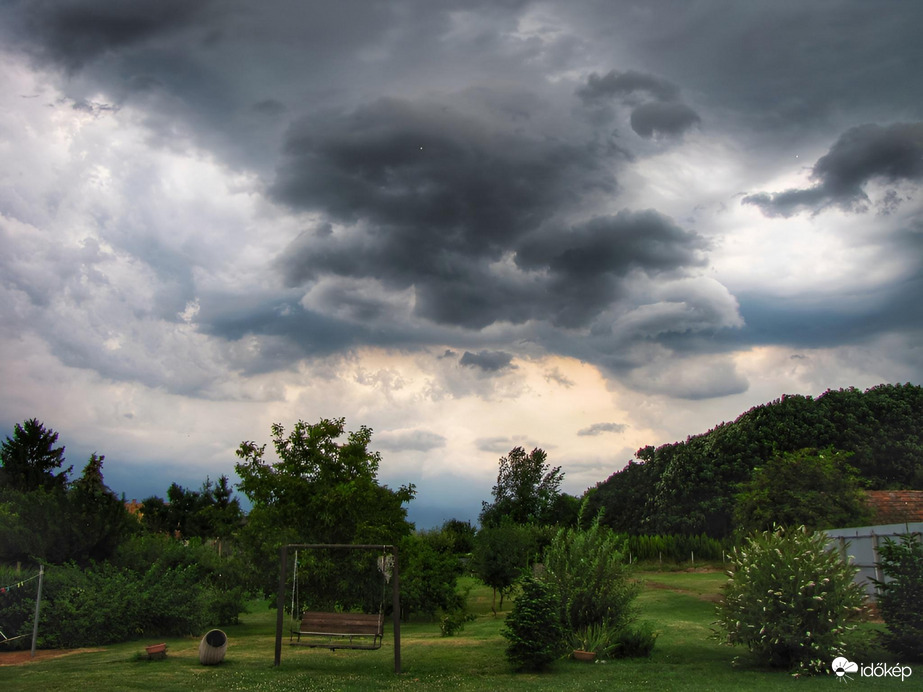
<point x="38" y="603"/>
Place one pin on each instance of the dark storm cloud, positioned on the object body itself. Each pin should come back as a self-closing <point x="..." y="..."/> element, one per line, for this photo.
<point x="429" y="197"/>
<point x="891" y="154"/>
<point x="665" y="115"/>
<point x="600" y="428"/>
<point x="621" y="84"/>
<point x="488" y="361"/>
<point x="74" y="32"/>
<point x="586" y="265"/>
<point x="650" y="119"/>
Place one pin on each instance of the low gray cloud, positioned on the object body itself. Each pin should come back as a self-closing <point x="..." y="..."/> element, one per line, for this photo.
<point x="488" y="361"/>
<point x="620" y="84"/>
<point x="890" y="153"/>
<point x="409" y="440"/>
<point x="600" y="428"/>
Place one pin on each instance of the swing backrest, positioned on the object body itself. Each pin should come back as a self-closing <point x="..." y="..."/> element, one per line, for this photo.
<point x="342" y="624"/>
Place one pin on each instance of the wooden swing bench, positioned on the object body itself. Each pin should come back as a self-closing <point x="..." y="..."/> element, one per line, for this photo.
<point x="338" y="630"/>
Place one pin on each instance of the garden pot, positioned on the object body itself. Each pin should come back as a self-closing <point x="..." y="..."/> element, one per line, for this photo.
<point x="587" y="656"/>
<point x="213" y="647"/>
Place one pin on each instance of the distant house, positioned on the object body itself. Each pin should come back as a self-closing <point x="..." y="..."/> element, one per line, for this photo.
<point x="134" y="508"/>
<point x="896" y="506"/>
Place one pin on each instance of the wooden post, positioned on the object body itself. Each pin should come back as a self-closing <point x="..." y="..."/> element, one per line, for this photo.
<point x="280" y="600"/>
<point x="38" y="602"/>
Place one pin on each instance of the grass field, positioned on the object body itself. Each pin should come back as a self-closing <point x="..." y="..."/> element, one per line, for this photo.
<point x="680" y="604"/>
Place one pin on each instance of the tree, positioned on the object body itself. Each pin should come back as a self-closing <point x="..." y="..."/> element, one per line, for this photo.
<point x="30" y="459"/>
<point x="321" y="490"/>
<point x="533" y="628"/>
<point x="527" y="489"/>
<point x="811" y="488"/>
<point x="901" y="596"/>
<point x="500" y="555"/>
<point x="100" y="520"/>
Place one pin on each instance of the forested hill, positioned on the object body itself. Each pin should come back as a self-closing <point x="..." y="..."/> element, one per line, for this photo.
<point x="689" y="487"/>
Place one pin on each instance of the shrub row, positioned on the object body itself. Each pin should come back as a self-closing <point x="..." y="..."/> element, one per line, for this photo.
<point x="176" y="592"/>
<point x="673" y="548"/>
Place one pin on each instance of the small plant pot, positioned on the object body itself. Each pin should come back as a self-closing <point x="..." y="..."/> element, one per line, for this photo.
<point x="213" y="647"/>
<point x="585" y="656"/>
<point x="155" y="651"/>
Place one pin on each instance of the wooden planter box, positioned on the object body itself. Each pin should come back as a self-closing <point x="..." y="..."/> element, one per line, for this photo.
<point x="156" y="651"/>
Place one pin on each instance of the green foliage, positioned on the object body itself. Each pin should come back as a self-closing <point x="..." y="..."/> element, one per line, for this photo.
<point x="533" y="627"/>
<point x="589" y="572"/>
<point x="527" y="490"/>
<point x="428" y="576"/>
<point x="634" y="641"/>
<point x="209" y="513"/>
<point x="812" y="488"/>
<point x="500" y="556"/>
<point x="900" y="596"/>
<point x="82" y="522"/>
<point x="789" y="599"/>
<point x="320" y="490"/>
<point x="105" y="603"/>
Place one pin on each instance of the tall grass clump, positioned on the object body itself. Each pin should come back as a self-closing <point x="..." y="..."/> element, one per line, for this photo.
<point x="789" y="600"/>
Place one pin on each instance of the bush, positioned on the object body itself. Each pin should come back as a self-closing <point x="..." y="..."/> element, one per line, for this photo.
<point x="789" y="599"/>
<point x="588" y="571"/>
<point x="533" y="627"/>
<point x="900" y="596"/>
<point x="634" y="642"/>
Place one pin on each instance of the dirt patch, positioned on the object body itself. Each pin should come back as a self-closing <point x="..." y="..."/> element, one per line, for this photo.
<point x="18" y="658"/>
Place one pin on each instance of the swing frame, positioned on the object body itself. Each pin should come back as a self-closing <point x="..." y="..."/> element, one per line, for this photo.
<point x="395" y="590"/>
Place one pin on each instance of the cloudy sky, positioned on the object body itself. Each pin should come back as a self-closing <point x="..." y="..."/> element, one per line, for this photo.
<point x="584" y="226"/>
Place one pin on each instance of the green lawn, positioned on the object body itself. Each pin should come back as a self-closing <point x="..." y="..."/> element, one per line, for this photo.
<point x="680" y="604"/>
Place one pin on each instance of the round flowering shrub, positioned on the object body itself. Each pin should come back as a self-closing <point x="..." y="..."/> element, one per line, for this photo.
<point x="789" y="599"/>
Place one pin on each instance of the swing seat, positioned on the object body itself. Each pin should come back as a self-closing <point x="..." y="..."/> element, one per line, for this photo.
<point x="340" y="630"/>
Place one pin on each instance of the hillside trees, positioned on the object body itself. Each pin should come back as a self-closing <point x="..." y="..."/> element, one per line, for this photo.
<point x="690" y="487"/>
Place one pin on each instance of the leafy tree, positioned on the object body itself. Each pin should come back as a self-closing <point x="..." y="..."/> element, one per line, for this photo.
<point x="812" y="488"/>
<point x="526" y="491"/>
<point x="500" y="555"/>
<point x="789" y="599"/>
<point x="30" y="459"/>
<point x="428" y="575"/>
<point x="321" y="490"/>
<point x="901" y="595"/>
